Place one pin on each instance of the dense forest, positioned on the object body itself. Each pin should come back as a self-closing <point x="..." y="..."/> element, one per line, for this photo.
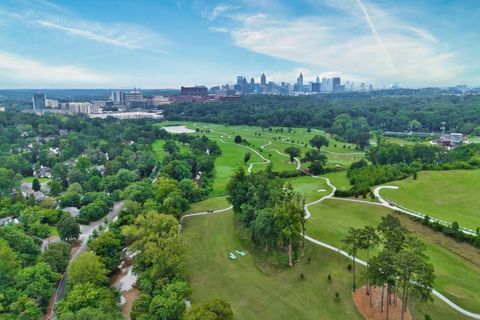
<point x="357" y="111"/>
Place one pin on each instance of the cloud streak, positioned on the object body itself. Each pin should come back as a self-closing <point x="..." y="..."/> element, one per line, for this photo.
<point x="28" y="72"/>
<point x="121" y="35"/>
<point x="368" y="44"/>
<point x="124" y="35"/>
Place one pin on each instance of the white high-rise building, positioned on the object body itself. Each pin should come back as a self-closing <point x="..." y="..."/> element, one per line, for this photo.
<point x="81" y="107"/>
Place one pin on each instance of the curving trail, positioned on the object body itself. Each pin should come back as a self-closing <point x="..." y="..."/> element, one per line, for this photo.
<point x="299" y="164"/>
<point x="393" y="206"/>
<point x="265" y="160"/>
<point x="382" y="202"/>
<point x="328" y="151"/>
<point x="326" y="245"/>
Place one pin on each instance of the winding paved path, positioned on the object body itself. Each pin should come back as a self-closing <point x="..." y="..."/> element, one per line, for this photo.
<point x="393" y="206"/>
<point x="382" y="202"/>
<point x="338" y="250"/>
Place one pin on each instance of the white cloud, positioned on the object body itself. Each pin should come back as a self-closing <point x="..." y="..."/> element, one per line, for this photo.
<point x="25" y="72"/>
<point x="125" y="35"/>
<point x="217" y="11"/>
<point x="363" y="41"/>
<point x="119" y="34"/>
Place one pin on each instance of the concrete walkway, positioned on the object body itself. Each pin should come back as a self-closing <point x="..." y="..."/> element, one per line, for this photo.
<point x="393" y="206"/>
<point x="338" y="250"/>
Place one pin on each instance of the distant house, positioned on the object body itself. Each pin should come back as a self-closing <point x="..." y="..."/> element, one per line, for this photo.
<point x="43" y="172"/>
<point x="55" y="151"/>
<point x="7" y="220"/>
<point x="450" y="140"/>
<point x="39" y="196"/>
<point x="101" y="169"/>
<point x="74" y="212"/>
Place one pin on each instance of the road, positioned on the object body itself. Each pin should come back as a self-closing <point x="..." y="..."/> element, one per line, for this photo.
<point x="86" y="232"/>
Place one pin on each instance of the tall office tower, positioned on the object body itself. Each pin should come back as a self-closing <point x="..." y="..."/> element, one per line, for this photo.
<point x="117" y="97"/>
<point x="263" y="80"/>
<point x="317" y="80"/>
<point x="252" y="82"/>
<point x="316" y="86"/>
<point x="324" y="84"/>
<point x="300" y="80"/>
<point x="239" y="80"/>
<point x="245" y="86"/>
<point x="336" y="84"/>
<point x="38" y="101"/>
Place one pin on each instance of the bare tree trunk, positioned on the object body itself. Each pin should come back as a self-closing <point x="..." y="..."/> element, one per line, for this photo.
<point x="383" y="290"/>
<point x="290" y="260"/>
<point x="354" y="285"/>
<point x="371" y="295"/>
<point x="402" y="314"/>
<point x="367" y="288"/>
<point x="388" y="298"/>
<point x="406" y="300"/>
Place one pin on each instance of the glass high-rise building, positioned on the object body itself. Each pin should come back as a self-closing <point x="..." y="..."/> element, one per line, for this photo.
<point x="38" y="101"/>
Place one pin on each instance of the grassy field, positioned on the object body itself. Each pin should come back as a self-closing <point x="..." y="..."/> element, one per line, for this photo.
<point x="226" y="165"/>
<point x="157" y="147"/>
<point x="310" y="187"/>
<point x="215" y="203"/>
<point x="338" y="152"/>
<point x="456" y="277"/>
<point x="41" y="180"/>
<point x="447" y="195"/>
<point x="254" y="294"/>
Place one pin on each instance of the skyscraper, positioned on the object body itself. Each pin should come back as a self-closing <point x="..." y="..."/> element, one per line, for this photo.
<point x="317" y="80"/>
<point x="239" y="80"/>
<point x="300" y="80"/>
<point x="336" y="84"/>
<point x="263" y="80"/>
<point x="38" y="101"/>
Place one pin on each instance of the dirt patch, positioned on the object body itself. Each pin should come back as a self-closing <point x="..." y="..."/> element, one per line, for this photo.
<point x="362" y="301"/>
<point x="129" y="296"/>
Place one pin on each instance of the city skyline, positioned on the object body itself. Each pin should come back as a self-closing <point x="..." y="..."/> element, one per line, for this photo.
<point x="63" y="44"/>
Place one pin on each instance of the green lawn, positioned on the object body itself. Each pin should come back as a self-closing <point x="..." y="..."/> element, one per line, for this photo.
<point x="447" y="195"/>
<point x="310" y="187"/>
<point x="228" y="162"/>
<point x="41" y="180"/>
<point x="338" y="179"/>
<point x="158" y="149"/>
<point x="254" y="294"/>
<point x="214" y="203"/>
<point x="456" y="278"/>
<point x="232" y="154"/>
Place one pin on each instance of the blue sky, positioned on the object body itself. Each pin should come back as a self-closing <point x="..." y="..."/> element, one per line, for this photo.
<point x="165" y="44"/>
